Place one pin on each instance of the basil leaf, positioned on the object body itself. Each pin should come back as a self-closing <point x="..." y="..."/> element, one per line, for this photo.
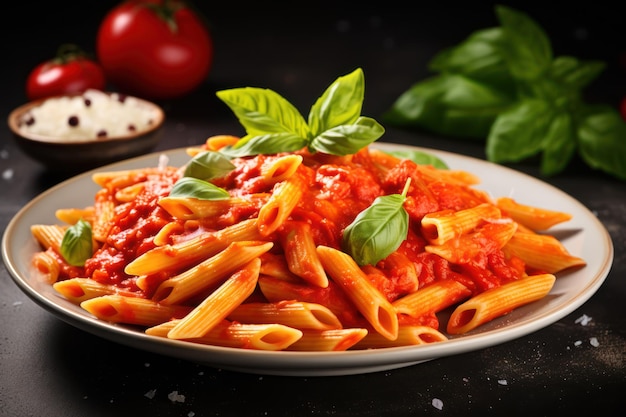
<point x="208" y="165"/>
<point x="76" y="245"/>
<point x="261" y="111"/>
<point x="188" y="187"/>
<point x="451" y="105"/>
<point x="478" y="57"/>
<point x="602" y="140"/>
<point x="348" y="139"/>
<point x="559" y="144"/>
<point x="575" y="74"/>
<point x="377" y="231"/>
<point x="527" y="49"/>
<point x="519" y="132"/>
<point x="420" y="158"/>
<point x="266" y="144"/>
<point x="339" y="105"/>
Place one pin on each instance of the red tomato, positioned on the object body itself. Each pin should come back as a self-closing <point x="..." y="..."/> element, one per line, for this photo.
<point x="154" y="49"/>
<point x="71" y="71"/>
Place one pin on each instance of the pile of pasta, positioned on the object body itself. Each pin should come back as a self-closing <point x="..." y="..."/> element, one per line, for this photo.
<point x="264" y="269"/>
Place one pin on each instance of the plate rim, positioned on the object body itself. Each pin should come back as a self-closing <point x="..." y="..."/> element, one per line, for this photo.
<point x="302" y="363"/>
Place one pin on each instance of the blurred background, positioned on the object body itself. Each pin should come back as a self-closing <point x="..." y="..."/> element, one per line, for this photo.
<point x="243" y="34"/>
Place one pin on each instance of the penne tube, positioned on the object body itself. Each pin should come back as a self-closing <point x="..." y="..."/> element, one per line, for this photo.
<point x="48" y="236"/>
<point x="498" y="301"/>
<point x="442" y="226"/>
<point x="132" y="310"/>
<point x="78" y="290"/>
<point x="47" y="265"/>
<point x="280" y="169"/>
<point x="408" y="335"/>
<point x="129" y="193"/>
<point x="272" y="337"/>
<point x="217" y="306"/>
<point x="273" y="265"/>
<point x="104" y="212"/>
<point x="184" y="208"/>
<point x="217" y="142"/>
<point x="73" y="215"/>
<point x="163" y="236"/>
<point x="297" y="241"/>
<point x="191" y="251"/>
<point x="209" y="273"/>
<point x="376" y="309"/>
<point x="301" y="315"/>
<point x="432" y="298"/>
<point x="466" y="247"/>
<point x="542" y="252"/>
<point x="283" y="200"/>
<point x="334" y="340"/>
<point x="534" y="218"/>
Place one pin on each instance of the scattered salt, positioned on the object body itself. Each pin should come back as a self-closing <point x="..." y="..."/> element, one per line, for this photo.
<point x="17" y="303"/>
<point x="7" y="174"/>
<point x="437" y="403"/>
<point x="583" y="320"/>
<point x="150" y="394"/>
<point x="191" y="414"/>
<point x="503" y="382"/>
<point x="578" y="343"/>
<point x="174" y="396"/>
<point x="594" y="341"/>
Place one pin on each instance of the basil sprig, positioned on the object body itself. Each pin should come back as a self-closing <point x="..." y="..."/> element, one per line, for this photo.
<point x="377" y="231"/>
<point x="77" y="245"/>
<point x="505" y="84"/>
<point x="200" y="169"/>
<point x="334" y="126"/>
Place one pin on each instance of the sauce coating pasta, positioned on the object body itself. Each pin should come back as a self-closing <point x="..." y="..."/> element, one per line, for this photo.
<point x="285" y="216"/>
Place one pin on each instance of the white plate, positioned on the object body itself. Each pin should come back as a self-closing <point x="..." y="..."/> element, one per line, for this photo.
<point x="583" y="236"/>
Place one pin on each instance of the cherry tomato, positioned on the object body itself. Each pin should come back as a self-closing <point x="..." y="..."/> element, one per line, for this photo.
<point x="71" y="71"/>
<point x="155" y="49"/>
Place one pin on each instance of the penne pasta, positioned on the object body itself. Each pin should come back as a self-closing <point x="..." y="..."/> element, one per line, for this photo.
<point x="48" y="266"/>
<point x="407" y="336"/>
<point x="442" y="226"/>
<point x="301" y="315"/>
<point x="333" y="340"/>
<point x="209" y="273"/>
<point x="300" y="253"/>
<point x="132" y="310"/>
<point x="283" y="200"/>
<point x="498" y="301"/>
<point x="432" y="298"/>
<point x="369" y="301"/>
<point x="270" y="337"/>
<point x="542" y="252"/>
<point x="193" y="250"/>
<point x="534" y="218"/>
<point x="219" y="304"/>
<point x="78" y="290"/>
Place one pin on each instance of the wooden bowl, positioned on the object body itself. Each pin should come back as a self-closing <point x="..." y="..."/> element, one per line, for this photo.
<point x="93" y="146"/>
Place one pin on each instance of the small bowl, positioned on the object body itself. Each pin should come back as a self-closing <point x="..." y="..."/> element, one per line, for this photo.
<point x="80" y="153"/>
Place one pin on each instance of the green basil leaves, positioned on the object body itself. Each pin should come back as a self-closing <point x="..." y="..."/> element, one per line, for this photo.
<point x="77" y="246"/>
<point x="379" y="230"/>
<point x="334" y="126"/>
<point x="504" y="85"/>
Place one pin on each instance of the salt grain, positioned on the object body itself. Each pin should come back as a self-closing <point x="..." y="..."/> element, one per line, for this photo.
<point x="594" y="342"/>
<point x="174" y="397"/>
<point x="150" y="394"/>
<point x="583" y="320"/>
<point x="7" y="174"/>
<point x="578" y="343"/>
<point x="437" y="403"/>
<point x="503" y="382"/>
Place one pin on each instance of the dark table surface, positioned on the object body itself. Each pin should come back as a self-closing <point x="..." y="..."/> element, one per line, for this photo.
<point x="49" y="368"/>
